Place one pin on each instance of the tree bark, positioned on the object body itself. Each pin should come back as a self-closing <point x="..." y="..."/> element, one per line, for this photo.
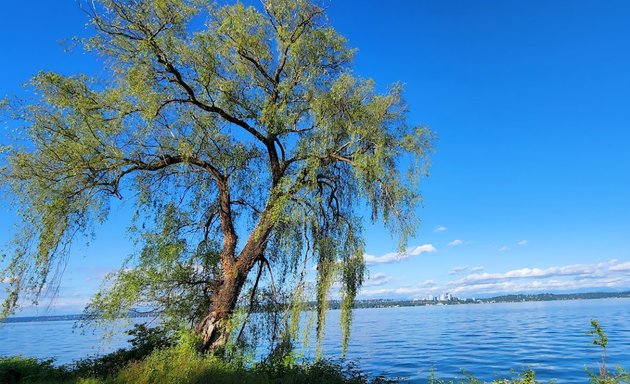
<point x="214" y="329"/>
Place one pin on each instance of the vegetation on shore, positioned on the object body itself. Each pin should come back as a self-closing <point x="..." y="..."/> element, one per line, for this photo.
<point x="172" y="366"/>
<point x="159" y="358"/>
<point x="178" y="363"/>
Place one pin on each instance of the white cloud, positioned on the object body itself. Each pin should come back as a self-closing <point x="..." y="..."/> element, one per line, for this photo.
<point x="393" y="257"/>
<point x="457" y="270"/>
<point x="63" y="300"/>
<point x="504" y="249"/>
<point x="77" y="302"/>
<point x="522" y="242"/>
<point x="377" y="279"/>
<point x="455" y="243"/>
<point x="605" y="275"/>
<point x="439" y="228"/>
<point x="621" y="267"/>
<point x="540" y="285"/>
<point x="582" y="270"/>
<point x="420" y="290"/>
<point x="388" y="292"/>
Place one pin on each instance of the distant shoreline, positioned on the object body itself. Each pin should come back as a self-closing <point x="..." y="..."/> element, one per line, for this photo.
<point x="514" y="298"/>
<point x="387" y="303"/>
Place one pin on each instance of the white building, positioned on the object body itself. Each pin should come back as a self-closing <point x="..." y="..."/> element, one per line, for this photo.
<point x="446" y="297"/>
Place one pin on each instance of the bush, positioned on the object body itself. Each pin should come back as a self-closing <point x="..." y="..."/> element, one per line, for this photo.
<point x="17" y="369"/>
<point x="605" y="376"/>
<point x="143" y="342"/>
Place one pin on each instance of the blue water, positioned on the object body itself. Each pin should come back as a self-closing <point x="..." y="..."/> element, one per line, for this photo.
<point x="486" y="340"/>
<point x="62" y="341"/>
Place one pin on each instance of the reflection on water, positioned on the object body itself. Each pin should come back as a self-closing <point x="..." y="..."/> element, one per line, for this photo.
<point x="484" y="339"/>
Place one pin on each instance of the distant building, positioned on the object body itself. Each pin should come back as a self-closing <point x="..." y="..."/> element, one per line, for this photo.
<point x="446" y="297"/>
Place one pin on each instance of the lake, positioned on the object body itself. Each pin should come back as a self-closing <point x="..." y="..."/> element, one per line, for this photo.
<point x="486" y="340"/>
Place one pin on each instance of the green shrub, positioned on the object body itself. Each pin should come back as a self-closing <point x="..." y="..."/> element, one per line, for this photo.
<point x="605" y="376"/>
<point x="144" y="341"/>
<point x="183" y="365"/>
<point x="17" y="369"/>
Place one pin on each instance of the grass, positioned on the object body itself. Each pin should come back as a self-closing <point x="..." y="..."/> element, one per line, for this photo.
<point x="171" y="366"/>
<point x="177" y="365"/>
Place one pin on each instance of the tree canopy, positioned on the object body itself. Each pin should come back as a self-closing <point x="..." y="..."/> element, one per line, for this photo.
<point x="247" y="147"/>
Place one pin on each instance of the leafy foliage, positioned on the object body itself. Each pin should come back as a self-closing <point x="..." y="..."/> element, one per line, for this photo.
<point x="605" y="375"/>
<point x="144" y="341"/>
<point x="17" y="369"/>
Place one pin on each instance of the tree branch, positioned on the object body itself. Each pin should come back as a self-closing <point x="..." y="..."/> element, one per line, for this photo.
<point x="192" y="98"/>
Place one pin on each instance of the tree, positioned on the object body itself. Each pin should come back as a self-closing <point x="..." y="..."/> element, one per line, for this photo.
<point x="245" y="144"/>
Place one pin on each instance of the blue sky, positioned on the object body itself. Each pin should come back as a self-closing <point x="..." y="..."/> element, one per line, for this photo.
<point x="528" y="188"/>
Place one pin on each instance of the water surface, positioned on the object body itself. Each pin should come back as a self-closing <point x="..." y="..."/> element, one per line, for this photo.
<point x="486" y="340"/>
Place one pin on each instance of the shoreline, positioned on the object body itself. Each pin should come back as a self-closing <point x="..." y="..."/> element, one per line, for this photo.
<point x="387" y="303"/>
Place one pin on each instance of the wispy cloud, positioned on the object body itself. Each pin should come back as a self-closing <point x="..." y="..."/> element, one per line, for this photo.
<point x="64" y="300"/>
<point x="457" y="270"/>
<point x="440" y="228"/>
<point x="621" y="267"/>
<point x="394" y="257"/>
<point x="376" y="280"/>
<point x="612" y="274"/>
<point x="547" y="285"/>
<point x="504" y="249"/>
<point x="455" y="243"/>
<point x="582" y="270"/>
<point x="405" y="291"/>
<point x="522" y="242"/>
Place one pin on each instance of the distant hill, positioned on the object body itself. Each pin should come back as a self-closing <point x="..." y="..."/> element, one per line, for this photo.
<point x="553" y="297"/>
<point x="383" y="303"/>
<point x="27" y="319"/>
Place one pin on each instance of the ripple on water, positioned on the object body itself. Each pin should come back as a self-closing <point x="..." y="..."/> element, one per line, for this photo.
<point x="485" y="340"/>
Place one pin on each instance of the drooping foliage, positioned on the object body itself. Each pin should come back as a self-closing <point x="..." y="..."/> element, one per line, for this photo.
<point x="246" y="145"/>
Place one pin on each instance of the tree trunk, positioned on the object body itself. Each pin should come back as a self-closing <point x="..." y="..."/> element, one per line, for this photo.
<point x="213" y="331"/>
<point x="214" y="328"/>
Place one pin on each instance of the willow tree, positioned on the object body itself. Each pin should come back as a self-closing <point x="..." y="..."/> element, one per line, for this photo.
<point x="244" y="142"/>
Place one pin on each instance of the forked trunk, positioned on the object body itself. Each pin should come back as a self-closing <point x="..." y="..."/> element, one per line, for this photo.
<point x="214" y="329"/>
